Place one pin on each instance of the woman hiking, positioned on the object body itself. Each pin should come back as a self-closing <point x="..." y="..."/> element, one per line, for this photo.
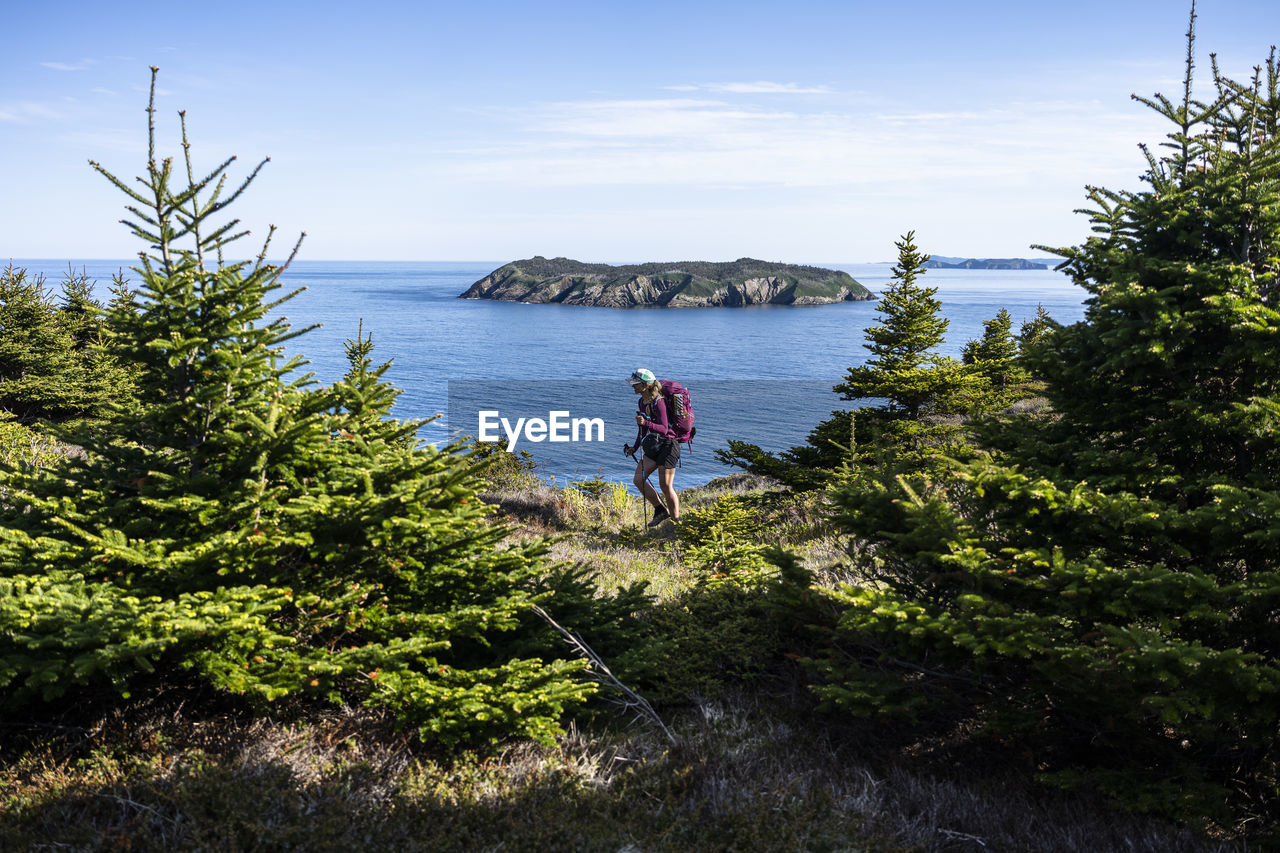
<point x="656" y="439"/>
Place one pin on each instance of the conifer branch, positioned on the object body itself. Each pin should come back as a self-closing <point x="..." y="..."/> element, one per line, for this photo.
<point x="194" y="225"/>
<point x="151" y="121"/>
<point x="244" y="185"/>
<point x="266" y="243"/>
<point x="217" y="238"/>
<point x="120" y="185"/>
<point x="1186" y="91"/>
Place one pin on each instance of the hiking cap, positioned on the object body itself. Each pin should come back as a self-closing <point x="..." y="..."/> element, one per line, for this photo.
<point x="642" y="376"/>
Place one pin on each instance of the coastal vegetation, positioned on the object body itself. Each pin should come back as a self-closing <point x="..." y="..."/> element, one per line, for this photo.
<point x="1022" y="600"/>
<point x="53" y="362"/>
<point x="921" y="403"/>
<point x="227" y="524"/>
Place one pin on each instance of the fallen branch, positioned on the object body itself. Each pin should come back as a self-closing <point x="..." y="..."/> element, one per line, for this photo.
<point x="630" y="699"/>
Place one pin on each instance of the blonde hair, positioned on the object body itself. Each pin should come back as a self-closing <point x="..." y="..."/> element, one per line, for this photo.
<point x="652" y="391"/>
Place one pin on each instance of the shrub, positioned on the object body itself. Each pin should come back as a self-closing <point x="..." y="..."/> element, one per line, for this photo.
<point x="502" y="470"/>
<point x="53" y="362"/>
<point x="718" y="545"/>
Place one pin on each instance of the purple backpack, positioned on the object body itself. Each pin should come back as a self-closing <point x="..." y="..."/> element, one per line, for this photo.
<point x="679" y="410"/>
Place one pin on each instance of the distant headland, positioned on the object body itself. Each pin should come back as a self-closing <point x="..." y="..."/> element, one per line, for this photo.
<point x="685" y="284"/>
<point x="942" y="262"/>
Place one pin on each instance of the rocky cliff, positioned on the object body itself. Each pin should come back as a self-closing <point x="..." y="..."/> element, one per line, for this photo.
<point x="687" y="284"/>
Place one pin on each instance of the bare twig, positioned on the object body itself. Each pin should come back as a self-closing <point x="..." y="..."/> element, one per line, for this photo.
<point x="630" y="698"/>
<point x="128" y="803"/>
<point x="962" y="836"/>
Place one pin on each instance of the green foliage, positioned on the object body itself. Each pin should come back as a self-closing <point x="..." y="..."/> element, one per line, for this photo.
<point x="502" y="469"/>
<point x="704" y="644"/>
<point x="915" y="383"/>
<point x="1105" y="588"/>
<point x="597" y="503"/>
<point x="22" y="447"/>
<point x="924" y="395"/>
<point x="53" y="365"/>
<point x="902" y="367"/>
<point x="1035" y="332"/>
<point x="995" y="355"/>
<point x="718" y="545"/>
<point x="271" y="538"/>
<point x="730" y="622"/>
<point x="805" y="467"/>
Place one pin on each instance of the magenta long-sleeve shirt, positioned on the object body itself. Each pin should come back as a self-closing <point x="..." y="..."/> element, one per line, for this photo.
<point x="657" y="422"/>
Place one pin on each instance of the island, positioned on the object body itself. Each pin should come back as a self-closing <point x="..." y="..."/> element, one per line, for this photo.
<point x="946" y="263"/>
<point x="686" y="284"/>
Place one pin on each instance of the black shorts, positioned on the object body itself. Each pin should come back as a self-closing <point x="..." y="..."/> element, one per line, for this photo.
<point x="664" y="451"/>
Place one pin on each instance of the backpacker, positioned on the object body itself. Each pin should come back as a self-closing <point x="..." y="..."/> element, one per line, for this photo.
<point x="679" y="411"/>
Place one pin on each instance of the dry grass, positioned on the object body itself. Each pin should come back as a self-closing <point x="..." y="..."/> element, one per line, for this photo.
<point x="615" y="562"/>
<point x="607" y="531"/>
<point x="746" y="775"/>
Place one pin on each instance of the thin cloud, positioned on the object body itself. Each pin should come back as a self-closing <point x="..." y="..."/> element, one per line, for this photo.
<point x="28" y="113"/>
<point x="766" y="88"/>
<point x="759" y="87"/>
<point x="679" y="120"/>
<point x="714" y="144"/>
<point x="935" y="117"/>
<point x="82" y="65"/>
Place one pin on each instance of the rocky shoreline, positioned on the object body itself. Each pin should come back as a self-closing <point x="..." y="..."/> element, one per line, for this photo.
<point x="687" y="284"/>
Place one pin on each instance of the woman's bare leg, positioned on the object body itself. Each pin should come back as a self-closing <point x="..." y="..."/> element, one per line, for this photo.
<point x="666" y="479"/>
<point x="644" y="468"/>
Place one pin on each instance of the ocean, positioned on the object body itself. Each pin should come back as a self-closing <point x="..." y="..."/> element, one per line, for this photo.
<point x="760" y="374"/>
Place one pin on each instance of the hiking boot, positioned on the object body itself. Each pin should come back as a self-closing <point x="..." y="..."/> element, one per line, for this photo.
<point x="659" y="516"/>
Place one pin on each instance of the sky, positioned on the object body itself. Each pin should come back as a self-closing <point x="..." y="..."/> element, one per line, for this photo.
<point x="803" y="131"/>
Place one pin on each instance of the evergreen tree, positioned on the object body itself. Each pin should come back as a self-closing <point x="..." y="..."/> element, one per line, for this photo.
<point x="53" y="362"/>
<point x="99" y="378"/>
<point x="995" y="356"/>
<point x="925" y="393"/>
<point x="35" y="349"/>
<point x="902" y="369"/>
<point x="79" y="310"/>
<point x="1106" y="588"/>
<point x="1035" y="331"/>
<point x="270" y="538"/>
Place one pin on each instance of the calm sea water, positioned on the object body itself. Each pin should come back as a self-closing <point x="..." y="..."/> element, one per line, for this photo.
<point x="760" y="374"/>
